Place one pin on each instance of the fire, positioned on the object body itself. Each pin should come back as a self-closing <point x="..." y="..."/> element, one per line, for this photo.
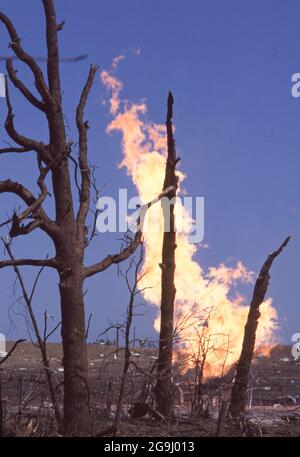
<point x="209" y="323"/>
<point x="264" y="351"/>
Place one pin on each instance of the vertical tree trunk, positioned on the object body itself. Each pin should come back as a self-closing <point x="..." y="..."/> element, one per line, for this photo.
<point x="76" y="391"/>
<point x="168" y="291"/>
<point x="239" y="390"/>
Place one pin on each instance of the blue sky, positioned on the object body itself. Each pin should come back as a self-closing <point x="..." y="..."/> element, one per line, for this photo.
<point x="229" y="65"/>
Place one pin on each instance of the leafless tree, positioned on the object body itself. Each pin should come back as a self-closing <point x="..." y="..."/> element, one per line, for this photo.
<point x="168" y="290"/>
<point x="40" y="338"/>
<point x="134" y="290"/>
<point x="198" y="350"/>
<point x="239" y="389"/>
<point x="68" y="231"/>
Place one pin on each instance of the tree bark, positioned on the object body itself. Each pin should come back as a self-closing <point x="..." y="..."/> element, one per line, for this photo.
<point x="168" y="290"/>
<point x="70" y="253"/>
<point x="76" y="391"/>
<point x="239" y="389"/>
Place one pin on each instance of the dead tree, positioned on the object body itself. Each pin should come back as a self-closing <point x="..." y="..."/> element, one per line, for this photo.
<point x="68" y="231"/>
<point x="168" y="290"/>
<point x="133" y="292"/>
<point x="239" y="389"/>
<point x="41" y="340"/>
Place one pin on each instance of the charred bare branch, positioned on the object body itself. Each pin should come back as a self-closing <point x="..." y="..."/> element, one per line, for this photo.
<point x="115" y="258"/>
<point x="26" y="58"/>
<point x="44" y="59"/>
<point x="32" y="209"/>
<point x="27" y="143"/>
<point x="52" y="263"/>
<point x="12" y="73"/>
<point x="9" y="354"/>
<point x="130" y="247"/>
<point x="34" y="205"/>
<point x="83" y="150"/>
<point x="12" y="150"/>
<point x="18" y="230"/>
<point x="95" y="200"/>
<point x="53" y="50"/>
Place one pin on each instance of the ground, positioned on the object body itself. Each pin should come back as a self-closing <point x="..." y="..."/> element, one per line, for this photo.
<point x="274" y="394"/>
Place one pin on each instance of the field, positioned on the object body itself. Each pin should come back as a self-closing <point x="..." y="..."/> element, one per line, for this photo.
<point x="274" y="394"/>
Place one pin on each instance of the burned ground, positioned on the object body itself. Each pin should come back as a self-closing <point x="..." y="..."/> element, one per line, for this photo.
<point x="273" y="394"/>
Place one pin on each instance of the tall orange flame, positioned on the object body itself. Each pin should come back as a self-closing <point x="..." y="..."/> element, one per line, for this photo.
<point x="207" y="319"/>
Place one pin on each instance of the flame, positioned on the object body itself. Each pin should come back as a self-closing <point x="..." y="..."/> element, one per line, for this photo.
<point x="264" y="351"/>
<point x="209" y="323"/>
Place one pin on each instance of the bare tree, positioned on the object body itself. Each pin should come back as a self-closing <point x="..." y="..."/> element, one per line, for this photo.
<point x="134" y="290"/>
<point x="168" y="290"/>
<point x="41" y="339"/>
<point x="239" y="389"/>
<point x="68" y="231"/>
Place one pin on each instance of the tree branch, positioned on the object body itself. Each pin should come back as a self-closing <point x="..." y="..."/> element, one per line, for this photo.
<point x="26" y="58"/>
<point x="116" y="258"/>
<point x="21" y="191"/>
<point x="83" y="151"/>
<point x="11" y="351"/>
<point x="44" y="191"/>
<point x="12" y="73"/>
<point x="26" y="143"/>
<point x="53" y="50"/>
<point x="132" y="246"/>
<point x="14" y="150"/>
<point x="51" y="263"/>
<point x="17" y="230"/>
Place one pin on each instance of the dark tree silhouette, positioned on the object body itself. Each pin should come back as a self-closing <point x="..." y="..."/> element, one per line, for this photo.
<point x="168" y="290"/>
<point x="239" y="389"/>
<point x="68" y="232"/>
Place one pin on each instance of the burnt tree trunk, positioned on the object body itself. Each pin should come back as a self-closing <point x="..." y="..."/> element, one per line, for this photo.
<point x="76" y="413"/>
<point x="168" y="290"/>
<point x="239" y="389"/>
